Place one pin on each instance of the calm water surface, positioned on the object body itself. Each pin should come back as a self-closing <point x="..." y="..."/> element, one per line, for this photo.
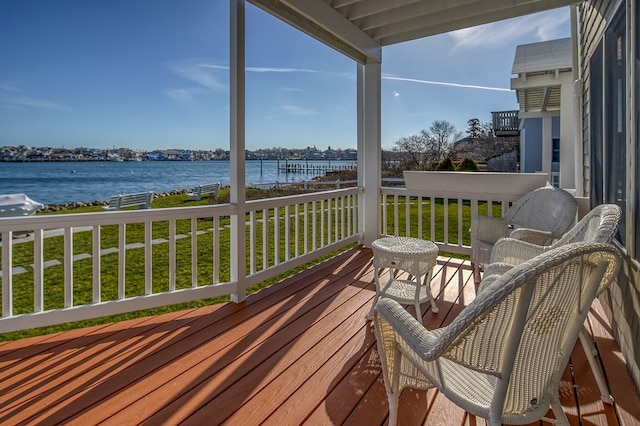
<point x="66" y="182"/>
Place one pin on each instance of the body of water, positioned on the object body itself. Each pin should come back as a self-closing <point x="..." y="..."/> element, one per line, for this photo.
<point x="67" y="182"/>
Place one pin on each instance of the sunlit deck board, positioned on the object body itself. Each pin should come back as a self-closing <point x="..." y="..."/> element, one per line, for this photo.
<point x="297" y="352"/>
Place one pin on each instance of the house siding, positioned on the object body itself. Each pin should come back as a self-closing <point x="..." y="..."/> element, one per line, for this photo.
<point x="622" y="300"/>
<point x="531" y="146"/>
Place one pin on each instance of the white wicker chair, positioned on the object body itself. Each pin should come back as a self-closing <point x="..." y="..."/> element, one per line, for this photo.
<point x="502" y="358"/>
<point x="539" y="217"/>
<point x="600" y="226"/>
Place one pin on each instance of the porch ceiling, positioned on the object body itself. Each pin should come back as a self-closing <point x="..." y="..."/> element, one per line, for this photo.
<point x="359" y="28"/>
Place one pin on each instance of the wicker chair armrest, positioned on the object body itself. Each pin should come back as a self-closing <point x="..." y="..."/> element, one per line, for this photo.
<point x="489" y="229"/>
<point x="494" y="270"/>
<point x="514" y="252"/>
<point x="490" y="275"/>
<point x="534" y="236"/>
<point x="421" y="340"/>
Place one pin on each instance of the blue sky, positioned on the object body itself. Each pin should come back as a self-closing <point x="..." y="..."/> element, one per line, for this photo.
<point x="153" y="74"/>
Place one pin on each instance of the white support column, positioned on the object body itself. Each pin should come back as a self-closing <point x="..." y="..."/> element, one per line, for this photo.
<point x="237" y="146"/>
<point x="567" y="137"/>
<point x="369" y="148"/>
<point x="547" y="144"/>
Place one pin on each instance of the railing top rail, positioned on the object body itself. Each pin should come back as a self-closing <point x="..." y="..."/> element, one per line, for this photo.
<point x="301" y="198"/>
<point x="135" y="216"/>
<point x="449" y="194"/>
<point x="112" y="218"/>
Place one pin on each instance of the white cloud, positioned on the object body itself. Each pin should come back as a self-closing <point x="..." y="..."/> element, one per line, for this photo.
<point x="395" y="94"/>
<point x="10" y="100"/>
<point x="185" y="96"/>
<point x="292" y="90"/>
<point x="279" y="70"/>
<point x="444" y="83"/>
<point x="205" y="75"/>
<point x="5" y="86"/>
<point x="262" y="69"/>
<point x="21" y="102"/>
<point x="540" y="26"/>
<point x="199" y="74"/>
<point x="293" y="110"/>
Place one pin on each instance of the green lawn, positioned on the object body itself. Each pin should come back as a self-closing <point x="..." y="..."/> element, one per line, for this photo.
<point x="23" y="292"/>
<point x="135" y="261"/>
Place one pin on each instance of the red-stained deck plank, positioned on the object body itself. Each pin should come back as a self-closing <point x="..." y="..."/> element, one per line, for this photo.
<point x="299" y="352"/>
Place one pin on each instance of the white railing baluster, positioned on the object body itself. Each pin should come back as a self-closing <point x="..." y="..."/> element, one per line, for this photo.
<point x="407" y="215"/>
<point x="68" y="267"/>
<point x="194" y="252"/>
<point x="314" y="226"/>
<point x="419" y="201"/>
<point x="276" y="235"/>
<point x="329" y="220"/>
<point x="356" y="222"/>
<point x="38" y="270"/>
<point x="385" y="215"/>
<point x="396" y="215"/>
<point x="322" y="221"/>
<point x="148" y="259"/>
<point x="122" y="234"/>
<point x="172" y="254"/>
<point x="297" y="230"/>
<point x="474" y="209"/>
<point x="433" y="219"/>
<point x="336" y="219"/>
<point x="445" y="206"/>
<point x="7" y="274"/>
<point x="349" y="216"/>
<point x="265" y="238"/>
<point x="287" y="232"/>
<point x="305" y="249"/>
<point x="460" y="202"/>
<point x="252" y="242"/>
<point x="216" y="249"/>
<point x="96" y="260"/>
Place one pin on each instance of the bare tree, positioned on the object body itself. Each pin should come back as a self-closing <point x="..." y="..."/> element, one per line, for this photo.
<point x="442" y="136"/>
<point x="413" y="149"/>
<point x="427" y="148"/>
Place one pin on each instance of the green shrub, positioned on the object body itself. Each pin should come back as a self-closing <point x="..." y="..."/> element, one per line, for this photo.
<point x="446" y="165"/>
<point x="468" y="165"/>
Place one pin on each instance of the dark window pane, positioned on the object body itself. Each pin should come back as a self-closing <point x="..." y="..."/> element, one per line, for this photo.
<point x="595" y="126"/>
<point x="615" y="130"/>
<point x="636" y="78"/>
<point x="555" y="156"/>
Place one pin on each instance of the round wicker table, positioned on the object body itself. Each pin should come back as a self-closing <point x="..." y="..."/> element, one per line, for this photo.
<point x="414" y="256"/>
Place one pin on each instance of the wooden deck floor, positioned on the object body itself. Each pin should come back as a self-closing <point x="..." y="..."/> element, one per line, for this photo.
<point x="300" y="352"/>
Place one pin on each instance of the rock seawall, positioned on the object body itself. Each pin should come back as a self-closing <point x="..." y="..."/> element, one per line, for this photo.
<point x="78" y="204"/>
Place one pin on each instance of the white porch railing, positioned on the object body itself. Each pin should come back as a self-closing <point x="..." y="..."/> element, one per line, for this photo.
<point x="118" y="251"/>
<point x="438" y="206"/>
<point x="443" y="217"/>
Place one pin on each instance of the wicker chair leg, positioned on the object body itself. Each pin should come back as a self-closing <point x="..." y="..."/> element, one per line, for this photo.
<point x="373" y="306"/>
<point x="561" y="417"/>
<point x="393" y="408"/>
<point x="589" y="350"/>
<point x="476" y="273"/>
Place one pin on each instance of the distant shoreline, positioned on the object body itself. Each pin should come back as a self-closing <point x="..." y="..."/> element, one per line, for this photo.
<point x="58" y="182"/>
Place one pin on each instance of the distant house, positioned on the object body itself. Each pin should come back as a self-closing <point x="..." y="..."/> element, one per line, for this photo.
<point x="544" y="88"/>
<point x="506" y="162"/>
<point x="482" y="148"/>
<point x="468" y="148"/>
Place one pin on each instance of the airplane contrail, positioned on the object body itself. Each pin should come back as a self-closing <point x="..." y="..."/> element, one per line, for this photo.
<point x="443" y="83"/>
